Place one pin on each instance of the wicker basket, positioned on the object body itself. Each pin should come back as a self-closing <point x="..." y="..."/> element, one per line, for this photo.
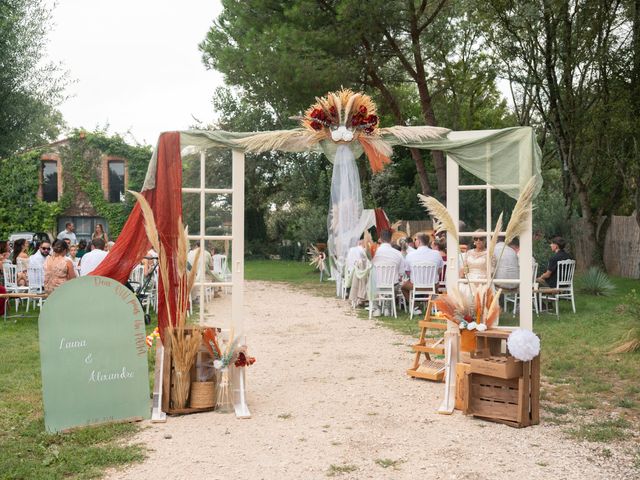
<point x="203" y="394"/>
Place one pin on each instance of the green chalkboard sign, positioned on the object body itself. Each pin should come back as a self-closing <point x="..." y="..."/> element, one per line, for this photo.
<point x="93" y="355"/>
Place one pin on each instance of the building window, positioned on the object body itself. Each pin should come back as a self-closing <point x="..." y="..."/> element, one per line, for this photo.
<point x="50" y="180"/>
<point x="116" y="181"/>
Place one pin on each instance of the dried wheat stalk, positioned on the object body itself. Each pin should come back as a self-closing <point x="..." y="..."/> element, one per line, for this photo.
<point x="521" y="212"/>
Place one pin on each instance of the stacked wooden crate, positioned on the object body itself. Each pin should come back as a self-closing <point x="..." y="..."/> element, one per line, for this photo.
<point x="497" y="386"/>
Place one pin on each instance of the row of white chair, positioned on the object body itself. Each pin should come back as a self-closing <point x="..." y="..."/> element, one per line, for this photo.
<point x="424" y="277"/>
<point x="35" y="276"/>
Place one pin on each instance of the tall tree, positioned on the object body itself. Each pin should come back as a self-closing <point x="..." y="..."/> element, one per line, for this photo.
<point x="284" y="53"/>
<point x="564" y="56"/>
<point x="29" y="89"/>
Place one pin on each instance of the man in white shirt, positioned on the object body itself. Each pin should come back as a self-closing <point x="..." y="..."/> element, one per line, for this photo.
<point x="91" y="260"/>
<point x="422" y="254"/>
<point x="507" y="264"/>
<point x="67" y="233"/>
<point x="38" y="258"/>
<point x="386" y="254"/>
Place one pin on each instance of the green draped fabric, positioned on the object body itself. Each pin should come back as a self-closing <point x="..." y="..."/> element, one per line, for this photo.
<point x="505" y="158"/>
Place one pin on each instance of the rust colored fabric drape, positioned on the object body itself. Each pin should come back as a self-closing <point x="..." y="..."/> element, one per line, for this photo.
<point x="382" y="223"/>
<point x="166" y="202"/>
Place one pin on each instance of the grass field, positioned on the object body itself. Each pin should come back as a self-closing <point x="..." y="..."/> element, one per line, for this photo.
<point x="28" y="452"/>
<point x="595" y="395"/>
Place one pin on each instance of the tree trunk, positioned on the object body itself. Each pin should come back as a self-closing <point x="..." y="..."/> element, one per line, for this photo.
<point x="426" y="105"/>
<point x="394" y="106"/>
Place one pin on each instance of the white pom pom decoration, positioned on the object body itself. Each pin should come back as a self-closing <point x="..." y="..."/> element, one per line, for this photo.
<point x="523" y="344"/>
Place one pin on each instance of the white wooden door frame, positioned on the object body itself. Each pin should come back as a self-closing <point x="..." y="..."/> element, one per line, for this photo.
<point x="526" y="244"/>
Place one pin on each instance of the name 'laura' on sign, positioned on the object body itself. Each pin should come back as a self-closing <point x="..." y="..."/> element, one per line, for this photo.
<point x="93" y="356"/>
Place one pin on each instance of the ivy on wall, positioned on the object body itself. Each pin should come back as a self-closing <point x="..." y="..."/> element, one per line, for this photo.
<point x="81" y="158"/>
<point x="20" y="208"/>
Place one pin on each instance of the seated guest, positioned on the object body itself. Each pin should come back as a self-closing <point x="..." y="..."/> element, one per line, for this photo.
<point x="82" y="248"/>
<point x="439" y="244"/>
<point x="422" y="254"/>
<point x="411" y="245"/>
<point x="507" y="266"/>
<point x="549" y="278"/>
<point x="386" y="254"/>
<point x="73" y="255"/>
<point x="91" y="260"/>
<point x="20" y="259"/>
<point x="357" y="262"/>
<point x="356" y="253"/>
<point x="57" y="267"/>
<point x="38" y="258"/>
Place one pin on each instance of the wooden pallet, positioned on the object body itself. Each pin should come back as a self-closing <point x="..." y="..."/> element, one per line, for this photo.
<point x="430" y="368"/>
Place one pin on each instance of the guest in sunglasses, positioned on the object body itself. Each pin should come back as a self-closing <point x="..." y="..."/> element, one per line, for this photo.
<point x="474" y="266"/>
<point x="38" y="258"/>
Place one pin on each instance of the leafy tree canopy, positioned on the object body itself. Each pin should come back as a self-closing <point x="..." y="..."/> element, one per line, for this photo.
<point x="29" y="89"/>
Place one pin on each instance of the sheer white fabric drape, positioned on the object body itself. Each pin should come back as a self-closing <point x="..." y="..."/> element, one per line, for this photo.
<point x="345" y="209"/>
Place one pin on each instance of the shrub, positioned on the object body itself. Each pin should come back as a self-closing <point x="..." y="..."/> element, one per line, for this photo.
<point x="596" y="282"/>
<point x="631" y="340"/>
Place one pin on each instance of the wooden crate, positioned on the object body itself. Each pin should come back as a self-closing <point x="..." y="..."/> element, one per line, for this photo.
<point x="513" y="401"/>
<point x="499" y="366"/>
<point x="167" y="385"/>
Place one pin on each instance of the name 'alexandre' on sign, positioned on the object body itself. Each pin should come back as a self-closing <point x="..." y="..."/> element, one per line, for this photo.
<point x="93" y="356"/>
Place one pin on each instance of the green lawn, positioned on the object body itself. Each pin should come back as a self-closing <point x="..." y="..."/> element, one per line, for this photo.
<point x="595" y="394"/>
<point x="28" y="452"/>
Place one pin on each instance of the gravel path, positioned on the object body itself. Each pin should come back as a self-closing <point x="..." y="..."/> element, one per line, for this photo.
<point x="329" y="397"/>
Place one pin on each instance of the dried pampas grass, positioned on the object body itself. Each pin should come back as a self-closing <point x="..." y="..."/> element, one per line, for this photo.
<point x="291" y="140"/>
<point x="415" y="134"/>
<point x="495" y="236"/>
<point x="184" y="343"/>
<point x="631" y="342"/>
<point x="439" y="211"/>
<point x="521" y="212"/>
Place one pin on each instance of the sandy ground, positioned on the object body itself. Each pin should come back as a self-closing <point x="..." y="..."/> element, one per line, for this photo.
<point x="329" y="397"/>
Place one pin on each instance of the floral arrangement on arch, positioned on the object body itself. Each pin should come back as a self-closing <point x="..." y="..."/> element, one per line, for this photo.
<point x="343" y="117"/>
<point x="481" y="310"/>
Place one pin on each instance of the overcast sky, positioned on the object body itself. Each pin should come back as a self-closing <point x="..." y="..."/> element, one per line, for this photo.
<point x="136" y="64"/>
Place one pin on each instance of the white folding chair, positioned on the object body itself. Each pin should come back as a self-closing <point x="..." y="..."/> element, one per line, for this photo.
<point x="221" y="268"/>
<point x="36" y="284"/>
<point x="11" y="281"/>
<point x="346" y="281"/>
<point x="136" y="277"/>
<point x="564" y="286"/>
<point x="424" y="277"/>
<point x="384" y="288"/>
<point x="516" y="294"/>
